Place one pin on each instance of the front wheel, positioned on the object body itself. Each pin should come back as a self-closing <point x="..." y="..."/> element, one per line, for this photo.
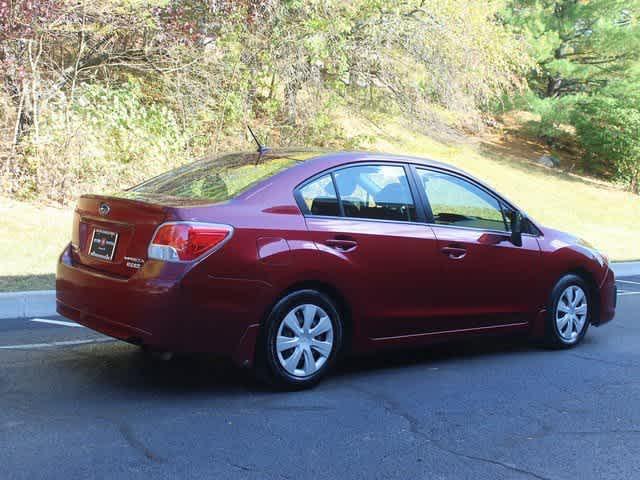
<point x="301" y="340"/>
<point x="569" y="312"/>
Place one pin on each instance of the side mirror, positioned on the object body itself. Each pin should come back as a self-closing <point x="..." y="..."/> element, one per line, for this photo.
<point x="515" y="218"/>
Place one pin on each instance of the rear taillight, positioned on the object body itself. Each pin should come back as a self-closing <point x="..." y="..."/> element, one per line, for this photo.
<point x="187" y="241"/>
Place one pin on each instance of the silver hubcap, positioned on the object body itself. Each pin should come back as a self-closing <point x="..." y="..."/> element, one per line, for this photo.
<point x="571" y="313"/>
<point x="305" y="340"/>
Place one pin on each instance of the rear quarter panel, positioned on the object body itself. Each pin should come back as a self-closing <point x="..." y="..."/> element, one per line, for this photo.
<point x="236" y="286"/>
<point x="270" y="252"/>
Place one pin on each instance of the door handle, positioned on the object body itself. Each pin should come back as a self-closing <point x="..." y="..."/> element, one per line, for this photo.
<point x="455" y="253"/>
<point x="342" y="245"/>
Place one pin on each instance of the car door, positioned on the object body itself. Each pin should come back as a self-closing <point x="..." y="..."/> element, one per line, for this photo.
<point x="365" y="221"/>
<point x="486" y="280"/>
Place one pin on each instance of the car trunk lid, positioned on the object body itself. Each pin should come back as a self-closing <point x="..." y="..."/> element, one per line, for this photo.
<point x="128" y="223"/>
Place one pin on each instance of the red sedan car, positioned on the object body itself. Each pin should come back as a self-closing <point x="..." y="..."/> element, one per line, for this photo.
<point x="287" y="260"/>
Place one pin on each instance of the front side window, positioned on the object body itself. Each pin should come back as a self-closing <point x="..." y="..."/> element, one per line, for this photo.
<point x="455" y="201"/>
<point x="379" y="192"/>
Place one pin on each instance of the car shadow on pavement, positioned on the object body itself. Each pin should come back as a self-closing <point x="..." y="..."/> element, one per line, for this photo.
<point x="435" y="355"/>
<point x="131" y="368"/>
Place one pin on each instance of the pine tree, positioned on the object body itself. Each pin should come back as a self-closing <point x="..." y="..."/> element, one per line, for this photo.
<point x="588" y="71"/>
<point x="579" y="45"/>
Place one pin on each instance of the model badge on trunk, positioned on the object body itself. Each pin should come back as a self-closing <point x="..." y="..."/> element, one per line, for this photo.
<point x="133" y="262"/>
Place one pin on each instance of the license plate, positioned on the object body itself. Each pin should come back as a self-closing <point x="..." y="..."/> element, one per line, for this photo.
<point x="103" y="244"/>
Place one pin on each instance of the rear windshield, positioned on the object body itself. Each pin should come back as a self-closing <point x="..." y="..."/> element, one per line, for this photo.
<point x="220" y="178"/>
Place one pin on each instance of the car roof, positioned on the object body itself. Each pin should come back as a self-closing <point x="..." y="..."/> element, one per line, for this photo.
<point x="348" y="156"/>
<point x="313" y="156"/>
<point x="316" y="160"/>
<point x="311" y="162"/>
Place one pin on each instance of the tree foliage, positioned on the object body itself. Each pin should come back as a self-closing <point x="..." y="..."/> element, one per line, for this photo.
<point x="587" y="74"/>
<point x="608" y="126"/>
<point x="579" y="45"/>
<point x="83" y="80"/>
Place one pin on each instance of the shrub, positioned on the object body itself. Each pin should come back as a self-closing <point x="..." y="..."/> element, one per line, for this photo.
<point x="106" y="139"/>
<point x="609" y="130"/>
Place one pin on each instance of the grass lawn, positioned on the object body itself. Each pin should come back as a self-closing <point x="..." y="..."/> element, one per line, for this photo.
<point x="32" y="236"/>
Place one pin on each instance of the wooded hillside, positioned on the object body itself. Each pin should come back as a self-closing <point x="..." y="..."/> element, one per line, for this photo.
<point x="101" y="94"/>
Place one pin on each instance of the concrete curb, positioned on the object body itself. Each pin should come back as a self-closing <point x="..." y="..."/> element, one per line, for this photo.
<point x="27" y="304"/>
<point x="626" y="269"/>
<point x="43" y="302"/>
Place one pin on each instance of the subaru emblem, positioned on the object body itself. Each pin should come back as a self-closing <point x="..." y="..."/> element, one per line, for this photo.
<point x="104" y="209"/>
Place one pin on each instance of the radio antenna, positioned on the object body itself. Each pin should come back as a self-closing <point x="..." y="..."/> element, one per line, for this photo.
<point x="261" y="148"/>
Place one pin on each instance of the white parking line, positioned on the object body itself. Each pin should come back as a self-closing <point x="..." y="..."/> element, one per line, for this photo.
<point x="624" y="294"/>
<point x="56" y="322"/>
<point x="628" y="281"/>
<point x="33" y="346"/>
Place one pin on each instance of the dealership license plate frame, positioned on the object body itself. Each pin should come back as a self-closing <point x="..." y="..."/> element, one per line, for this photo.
<point x="102" y="251"/>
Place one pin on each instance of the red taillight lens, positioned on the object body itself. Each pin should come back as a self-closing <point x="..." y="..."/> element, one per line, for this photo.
<point x="183" y="242"/>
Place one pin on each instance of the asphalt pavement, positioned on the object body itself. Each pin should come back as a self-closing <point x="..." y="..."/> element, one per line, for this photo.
<point x="75" y="404"/>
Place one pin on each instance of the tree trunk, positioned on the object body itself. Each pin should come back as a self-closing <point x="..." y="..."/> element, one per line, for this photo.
<point x="291" y="103"/>
<point x="252" y="91"/>
<point x="272" y="85"/>
<point x="553" y="86"/>
<point x="24" y="118"/>
<point x="17" y="131"/>
<point x="634" y="184"/>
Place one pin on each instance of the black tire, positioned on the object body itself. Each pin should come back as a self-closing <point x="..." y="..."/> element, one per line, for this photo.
<point x="268" y="364"/>
<point x="554" y="338"/>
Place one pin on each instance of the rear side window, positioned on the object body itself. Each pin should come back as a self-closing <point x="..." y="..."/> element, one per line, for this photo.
<point x="379" y="192"/>
<point x="221" y="178"/>
<point x="320" y="197"/>
<point x="455" y="201"/>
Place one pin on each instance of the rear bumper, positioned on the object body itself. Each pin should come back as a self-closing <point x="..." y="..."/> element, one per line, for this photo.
<point x="154" y="308"/>
<point x="137" y="309"/>
<point x="608" y="298"/>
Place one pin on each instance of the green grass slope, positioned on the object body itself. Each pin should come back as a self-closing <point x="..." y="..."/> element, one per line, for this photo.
<point x="32" y="236"/>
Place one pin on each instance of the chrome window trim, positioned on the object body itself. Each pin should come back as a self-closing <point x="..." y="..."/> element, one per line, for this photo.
<point x="357" y="219"/>
<point x="407" y="164"/>
<point x="496" y="196"/>
<point x="328" y="217"/>
<point x="499" y="201"/>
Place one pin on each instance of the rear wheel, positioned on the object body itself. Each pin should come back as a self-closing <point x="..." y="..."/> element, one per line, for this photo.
<point x="569" y="312"/>
<point x="301" y="340"/>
